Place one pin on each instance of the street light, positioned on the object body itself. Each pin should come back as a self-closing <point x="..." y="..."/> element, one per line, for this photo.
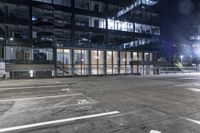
<point x="181" y="59"/>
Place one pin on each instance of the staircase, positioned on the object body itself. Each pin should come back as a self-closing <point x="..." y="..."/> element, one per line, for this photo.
<point x="62" y="70"/>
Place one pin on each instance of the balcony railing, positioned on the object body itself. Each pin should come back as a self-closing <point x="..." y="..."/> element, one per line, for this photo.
<point x="134" y="5"/>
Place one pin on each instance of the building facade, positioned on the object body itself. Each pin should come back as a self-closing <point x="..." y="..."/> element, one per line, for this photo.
<point x="194" y="45"/>
<point x="54" y="38"/>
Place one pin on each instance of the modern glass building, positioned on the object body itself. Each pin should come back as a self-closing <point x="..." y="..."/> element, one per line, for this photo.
<point x="55" y="38"/>
<point x="192" y="54"/>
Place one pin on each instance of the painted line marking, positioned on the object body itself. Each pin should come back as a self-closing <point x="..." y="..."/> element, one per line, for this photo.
<point x="154" y="131"/>
<point x="36" y="98"/>
<point x="66" y="89"/>
<point x="57" y="121"/>
<point x="190" y="120"/>
<point x="33" y="87"/>
<point x="189" y="84"/>
<point x="189" y="78"/>
<point x="83" y="101"/>
<point x="197" y="84"/>
<point x="193" y="89"/>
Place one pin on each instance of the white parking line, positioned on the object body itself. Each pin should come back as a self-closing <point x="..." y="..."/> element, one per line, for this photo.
<point x="193" y="89"/>
<point x="30" y="87"/>
<point x="188" y="84"/>
<point x="191" y="120"/>
<point x="188" y="78"/>
<point x="36" y="98"/>
<point x="154" y="131"/>
<point x="57" y="121"/>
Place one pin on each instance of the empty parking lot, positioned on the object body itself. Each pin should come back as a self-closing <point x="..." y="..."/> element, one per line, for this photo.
<point x="121" y="104"/>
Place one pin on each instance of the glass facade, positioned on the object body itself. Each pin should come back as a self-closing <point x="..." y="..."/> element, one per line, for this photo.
<point x="95" y="62"/>
<point x="128" y="62"/>
<point x="77" y="37"/>
<point x="122" y="62"/>
<point x="56" y="2"/>
<point x="64" y="62"/>
<point x="115" y="62"/>
<point x="26" y="54"/>
<point x="109" y="62"/>
<point x="81" y="62"/>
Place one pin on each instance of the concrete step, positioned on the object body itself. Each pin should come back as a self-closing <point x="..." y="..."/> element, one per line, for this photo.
<point x="23" y="67"/>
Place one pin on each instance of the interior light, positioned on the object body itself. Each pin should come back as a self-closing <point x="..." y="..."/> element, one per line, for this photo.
<point x="31" y="73"/>
<point x="11" y="39"/>
<point x="34" y="18"/>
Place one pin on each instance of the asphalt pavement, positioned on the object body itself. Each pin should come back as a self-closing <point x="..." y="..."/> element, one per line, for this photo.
<point x="108" y="104"/>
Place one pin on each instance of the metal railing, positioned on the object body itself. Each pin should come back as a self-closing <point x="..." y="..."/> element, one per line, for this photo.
<point x="176" y="70"/>
<point x="92" y="71"/>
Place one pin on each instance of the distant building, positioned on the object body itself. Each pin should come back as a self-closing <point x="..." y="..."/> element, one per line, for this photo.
<point x="54" y="38"/>
<point x="195" y="36"/>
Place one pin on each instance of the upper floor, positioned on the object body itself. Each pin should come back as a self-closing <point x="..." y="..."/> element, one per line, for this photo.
<point x="81" y="23"/>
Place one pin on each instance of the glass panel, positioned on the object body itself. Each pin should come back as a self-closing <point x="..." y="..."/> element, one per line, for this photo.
<point x="81" y="62"/>
<point x="146" y="56"/>
<point x="140" y="69"/>
<point x="122" y="62"/>
<point x="64" y="62"/>
<point x="60" y="56"/>
<point x="135" y="56"/>
<point x="27" y="54"/>
<point x="85" y="62"/>
<point x="102" y="23"/>
<point x="94" y="61"/>
<point x="49" y="54"/>
<point x="140" y="56"/>
<point x="2" y="10"/>
<point x="67" y="62"/>
<point x="135" y="69"/>
<point x="10" y="52"/>
<point x="1" y="52"/>
<point x="82" y="4"/>
<point x="82" y="20"/>
<point x="67" y="55"/>
<point x="111" y="24"/>
<point x="147" y="29"/>
<point x="115" y="62"/>
<point x="150" y="56"/>
<point x="62" y="2"/>
<point x="77" y="62"/>
<point x="128" y="59"/>
<point x="91" y="5"/>
<point x="45" y="1"/>
<point x="101" y="62"/>
<point x="109" y="61"/>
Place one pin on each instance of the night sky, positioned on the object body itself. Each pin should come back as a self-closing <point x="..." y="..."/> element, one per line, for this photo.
<point x="176" y="21"/>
